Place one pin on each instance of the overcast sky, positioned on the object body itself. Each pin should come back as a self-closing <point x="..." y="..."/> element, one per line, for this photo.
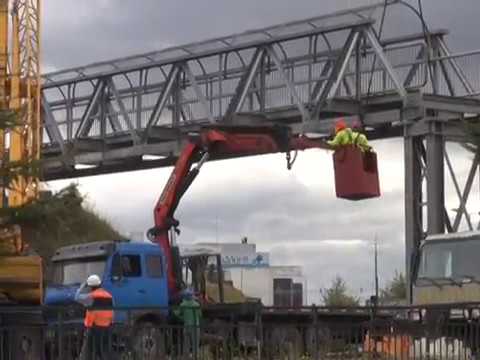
<point x="294" y="214"/>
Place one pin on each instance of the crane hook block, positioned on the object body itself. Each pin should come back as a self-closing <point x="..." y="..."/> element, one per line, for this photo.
<point x="356" y="173"/>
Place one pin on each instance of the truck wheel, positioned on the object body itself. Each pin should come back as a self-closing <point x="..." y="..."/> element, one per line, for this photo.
<point x="149" y="342"/>
<point x="26" y="344"/>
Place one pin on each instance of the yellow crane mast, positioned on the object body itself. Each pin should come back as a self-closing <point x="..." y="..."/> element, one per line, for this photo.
<point x="20" y="85"/>
<point x="25" y="89"/>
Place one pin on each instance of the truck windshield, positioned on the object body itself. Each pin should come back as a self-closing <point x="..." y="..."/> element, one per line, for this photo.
<point x="76" y="272"/>
<point x="450" y="260"/>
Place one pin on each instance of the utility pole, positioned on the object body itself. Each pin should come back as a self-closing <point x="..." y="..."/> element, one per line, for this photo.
<point x="216" y="228"/>
<point x="376" y="266"/>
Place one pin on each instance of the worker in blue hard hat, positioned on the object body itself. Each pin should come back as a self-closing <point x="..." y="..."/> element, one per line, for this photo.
<point x="190" y="313"/>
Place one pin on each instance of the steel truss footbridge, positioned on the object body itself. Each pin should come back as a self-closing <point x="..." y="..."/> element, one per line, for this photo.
<point x="135" y="112"/>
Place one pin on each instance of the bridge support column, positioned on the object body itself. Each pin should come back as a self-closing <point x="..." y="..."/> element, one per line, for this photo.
<point x="435" y="180"/>
<point x="413" y="204"/>
<point x="424" y="161"/>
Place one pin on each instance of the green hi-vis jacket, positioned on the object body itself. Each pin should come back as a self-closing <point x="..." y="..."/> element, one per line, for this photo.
<point x="190" y="313"/>
<point x="349" y="137"/>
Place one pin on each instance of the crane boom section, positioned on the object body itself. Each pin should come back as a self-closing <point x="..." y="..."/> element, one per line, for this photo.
<point x="214" y="142"/>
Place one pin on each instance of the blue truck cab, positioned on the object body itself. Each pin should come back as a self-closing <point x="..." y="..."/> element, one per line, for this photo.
<point x="133" y="272"/>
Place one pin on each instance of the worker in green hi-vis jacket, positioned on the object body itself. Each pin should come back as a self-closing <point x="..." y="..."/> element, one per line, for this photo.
<point x="190" y="313"/>
<point x="346" y="136"/>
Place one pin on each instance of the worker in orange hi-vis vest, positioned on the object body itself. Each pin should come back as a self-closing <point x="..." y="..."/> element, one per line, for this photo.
<point x="97" y="321"/>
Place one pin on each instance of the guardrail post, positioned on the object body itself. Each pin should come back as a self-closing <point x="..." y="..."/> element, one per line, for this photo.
<point x="315" y="328"/>
<point x="60" y="334"/>
<point x="259" y="326"/>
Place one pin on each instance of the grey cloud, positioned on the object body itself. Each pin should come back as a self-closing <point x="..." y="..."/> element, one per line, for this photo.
<point x="122" y="28"/>
<point x="76" y="33"/>
<point x="290" y="213"/>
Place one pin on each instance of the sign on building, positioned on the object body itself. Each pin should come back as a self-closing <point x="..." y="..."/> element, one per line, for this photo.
<point x="259" y="259"/>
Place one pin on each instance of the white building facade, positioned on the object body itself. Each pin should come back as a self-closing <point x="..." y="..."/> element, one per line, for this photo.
<point x="251" y="272"/>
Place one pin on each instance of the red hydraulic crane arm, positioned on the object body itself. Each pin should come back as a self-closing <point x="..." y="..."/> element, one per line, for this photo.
<point x="213" y="142"/>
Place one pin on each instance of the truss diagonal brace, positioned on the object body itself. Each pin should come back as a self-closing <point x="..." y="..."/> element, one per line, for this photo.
<point x="92" y="105"/>
<point x="414" y="69"/>
<point x="448" y="81"/>
<point x="113" y="119"/>
<point x="51" y="125"/>
<point x="198" y="92"/>
<point x="290" y="86"/>
<point x="244" y="85"/>
<point x="462" y="208"/>
<point x="337" y="73"/>
<point x="377" y="47"/>
<point x="314" y="98"/>
<point x="466" y="191"/>
<point x="123" y="111"/>
<point x="162" y="100"/>
<point x="458" y="70"/>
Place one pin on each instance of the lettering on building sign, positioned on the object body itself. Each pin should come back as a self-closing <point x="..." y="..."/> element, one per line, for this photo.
<point x="258" y="260"/>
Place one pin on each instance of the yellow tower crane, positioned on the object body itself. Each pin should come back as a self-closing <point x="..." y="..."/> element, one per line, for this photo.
<point x="20" y="85"/>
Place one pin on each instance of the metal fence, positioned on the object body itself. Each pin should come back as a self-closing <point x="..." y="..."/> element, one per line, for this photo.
<point x="308" y="333"/>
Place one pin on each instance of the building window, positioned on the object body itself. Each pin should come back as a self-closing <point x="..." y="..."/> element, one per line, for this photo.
<point x="154" y="266"/>
<point x="131" y="266"/>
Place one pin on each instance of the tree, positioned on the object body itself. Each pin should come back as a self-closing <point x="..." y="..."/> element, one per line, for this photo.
<point x="337" y="294"/>
<point x="396" y="289"/>
<point x="50" y="221"/>
<point x="61" y="219"/>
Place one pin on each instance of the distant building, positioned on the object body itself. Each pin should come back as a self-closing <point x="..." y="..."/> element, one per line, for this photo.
<point x="240" y="255"/>
<point x="251" y="272"/>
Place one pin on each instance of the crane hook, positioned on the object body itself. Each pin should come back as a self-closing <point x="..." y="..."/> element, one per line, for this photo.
<point x="291" y="161"/>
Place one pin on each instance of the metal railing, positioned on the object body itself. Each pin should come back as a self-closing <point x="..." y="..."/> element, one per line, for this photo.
<point x="441" y="332"/>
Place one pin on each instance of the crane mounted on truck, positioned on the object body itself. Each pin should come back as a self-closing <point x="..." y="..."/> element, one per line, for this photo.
<point x="210" y="143"/>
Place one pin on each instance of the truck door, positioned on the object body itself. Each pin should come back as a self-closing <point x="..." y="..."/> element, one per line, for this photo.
<point x="127" y="287"/>
<point x="155" y="280"/>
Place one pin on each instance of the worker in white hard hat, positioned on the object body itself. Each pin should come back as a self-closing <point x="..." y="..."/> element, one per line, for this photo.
<point x="97" y="322"/>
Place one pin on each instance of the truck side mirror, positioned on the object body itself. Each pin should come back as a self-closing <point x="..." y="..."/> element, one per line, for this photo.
<point x="116" y="273"/>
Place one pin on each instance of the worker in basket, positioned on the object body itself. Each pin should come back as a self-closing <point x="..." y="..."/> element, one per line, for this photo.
<point x="97" y="322"/>
<point x="190" y="313"/>
<point x="348" y="136"/>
